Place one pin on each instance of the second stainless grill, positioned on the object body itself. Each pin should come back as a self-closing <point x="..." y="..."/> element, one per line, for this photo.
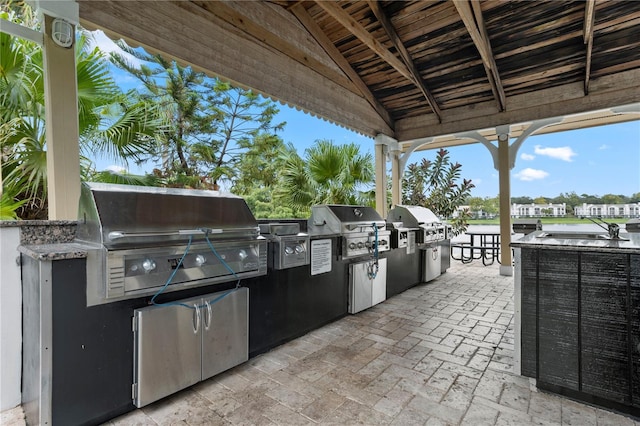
<point x="361" y="228"/>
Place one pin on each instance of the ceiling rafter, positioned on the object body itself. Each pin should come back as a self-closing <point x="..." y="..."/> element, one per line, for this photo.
<point x="589" y="20"/>
<point x="316" y="32"/>
<point x="471" y="15"/>
<point x="405" y="55"/>
<point x="355" y="28"/>
<point x="260" y="33"/>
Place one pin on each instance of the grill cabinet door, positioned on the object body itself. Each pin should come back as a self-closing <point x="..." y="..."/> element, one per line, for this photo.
<point x="167" y="350"/>
<point x="225" y="331"/>
<point x="365" y="292"/>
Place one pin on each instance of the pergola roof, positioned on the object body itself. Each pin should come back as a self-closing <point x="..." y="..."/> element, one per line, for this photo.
<point x="407" y="69"/>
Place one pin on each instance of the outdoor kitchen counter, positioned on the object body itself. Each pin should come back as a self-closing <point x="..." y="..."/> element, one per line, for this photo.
<point x="577" y="316"/>
<point x="629" y="243"/>
<point x="58" y="251"/>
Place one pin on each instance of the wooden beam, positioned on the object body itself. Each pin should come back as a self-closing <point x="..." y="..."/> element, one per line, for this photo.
<point x="316" y="32"/>
<point x="404" y="53"/>
<point x="471" y="15"/>
<point x="216" y="47"/>
<point x="606" y="92"/>
<point x="589" y="20"/>
<point x="261" y="34"/>
<point x="355" y="28"/>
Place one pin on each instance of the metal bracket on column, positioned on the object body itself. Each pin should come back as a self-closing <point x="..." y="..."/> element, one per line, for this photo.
<point x="390" y="144"/>
<point x="534" y="127"/>
<point x="404" y="157"/>
<point x="475" y="135"/>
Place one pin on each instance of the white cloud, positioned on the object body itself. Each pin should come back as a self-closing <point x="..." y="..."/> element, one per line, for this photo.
<point x="564" y="153"/>
<point x="527" y="157"/>
<point x="106" y="45"/>
<point x="529" y="174"/>
<point x="603" y="147"/>
<point x="116" y="169"/>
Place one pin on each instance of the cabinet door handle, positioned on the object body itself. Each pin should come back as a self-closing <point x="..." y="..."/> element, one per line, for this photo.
<point x="209" y="315"/>
<point x="196" y="318"/>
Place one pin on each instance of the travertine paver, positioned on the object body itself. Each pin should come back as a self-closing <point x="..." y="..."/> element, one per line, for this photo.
<point x="440" y="353"/>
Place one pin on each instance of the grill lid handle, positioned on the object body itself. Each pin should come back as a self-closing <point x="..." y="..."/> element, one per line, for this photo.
<point x="115" y="235"/>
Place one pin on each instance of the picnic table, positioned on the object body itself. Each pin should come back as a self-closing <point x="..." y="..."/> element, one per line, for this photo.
<point x="483" y="245"/>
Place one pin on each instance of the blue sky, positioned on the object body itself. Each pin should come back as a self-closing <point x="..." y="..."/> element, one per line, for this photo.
<point x="596" y="161"/>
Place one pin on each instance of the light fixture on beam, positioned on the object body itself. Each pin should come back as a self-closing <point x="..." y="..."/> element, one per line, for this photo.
<point x="62" y="32"/>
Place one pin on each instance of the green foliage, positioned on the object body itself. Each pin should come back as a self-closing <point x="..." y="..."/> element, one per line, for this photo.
<point x="9" y="206"/>
<point x="108" y="176"/>
<point x="328" y="174"/>
<point x="433" y="184"/>
<point x="108" y="120"/>
<point x="263" y="206"/>
<point x="211" y="122"/>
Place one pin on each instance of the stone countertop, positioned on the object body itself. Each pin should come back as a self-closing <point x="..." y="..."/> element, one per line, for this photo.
<point x="40" y="232"/>
<point x="60" y="251"/>
<point x="600" y="242"/>
<point x="15" y="223"/>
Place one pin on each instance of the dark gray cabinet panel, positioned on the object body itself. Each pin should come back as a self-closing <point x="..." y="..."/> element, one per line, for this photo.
<point x="634" y="322"/>
<point x="580" y="324"/>
<point x="558" y="319"/>
<point x="529" y="328"/>
<point x="604" y="309"/>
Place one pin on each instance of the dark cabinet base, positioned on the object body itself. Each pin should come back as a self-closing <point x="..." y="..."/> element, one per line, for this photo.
<point x="580" y="325"/>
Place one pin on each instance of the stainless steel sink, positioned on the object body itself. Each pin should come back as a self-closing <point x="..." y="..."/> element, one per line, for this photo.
<point x="574" y="235"/>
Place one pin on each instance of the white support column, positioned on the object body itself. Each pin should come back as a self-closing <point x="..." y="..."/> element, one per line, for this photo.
<point x="396" y="178"/>
<point x="61" y="112"/>
<point x="504" y="170"/>
<point x="381" y="178"/>
<point x="386" y="147"/>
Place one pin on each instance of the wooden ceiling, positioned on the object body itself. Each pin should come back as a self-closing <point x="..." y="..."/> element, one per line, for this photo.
<point x="408" y="69"/>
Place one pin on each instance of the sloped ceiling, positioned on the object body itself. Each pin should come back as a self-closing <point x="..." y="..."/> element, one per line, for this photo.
<point x="408" y="69"/>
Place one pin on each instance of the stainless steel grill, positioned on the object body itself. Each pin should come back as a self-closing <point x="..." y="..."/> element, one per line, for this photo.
<point x="143" y="238"/>
<point x="432" y="237"/>
<point x="288" y="246"/>
<point x="432" y="229"/>
<point x="361" y="228"/>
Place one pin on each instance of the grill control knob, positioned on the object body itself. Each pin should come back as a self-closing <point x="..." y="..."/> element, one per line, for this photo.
<point x="368" y="244"/>
<point x="242" y="255"/>
<point x="288" y="250"/>
<point x="383" y="242"/>
<point x="360" y="245"/>
<point x="299" y="248"/>
<point x="352" y="246"/>
<point x="200" y="260"/>
<point x="148" y="265"/>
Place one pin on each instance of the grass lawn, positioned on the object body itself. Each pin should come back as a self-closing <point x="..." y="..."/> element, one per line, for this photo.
<point x="547" y="221"/>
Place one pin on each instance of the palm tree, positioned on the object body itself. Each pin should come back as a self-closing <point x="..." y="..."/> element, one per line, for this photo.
<point x="329" y="174"/>
<point x="212" y="122"/>
<point x="112" y="122"/>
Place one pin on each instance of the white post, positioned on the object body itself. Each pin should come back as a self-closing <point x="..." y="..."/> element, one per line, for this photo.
<point x="61" y="112"/>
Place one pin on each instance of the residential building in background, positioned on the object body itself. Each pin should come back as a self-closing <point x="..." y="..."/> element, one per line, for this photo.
<point x="608" y="210"/>
<point x="538" y="210"/>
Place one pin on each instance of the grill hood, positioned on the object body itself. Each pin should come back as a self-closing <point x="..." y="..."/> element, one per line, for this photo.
<point x="412" y="216"/>
<point x="125" y="216"/>
<point x="344" y="219"/>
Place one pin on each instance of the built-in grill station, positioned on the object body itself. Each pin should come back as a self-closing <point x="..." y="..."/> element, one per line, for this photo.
<point x="361" y="228"/>
<point x="140" y="236"/>
<point x="288" y="246"/>
<point x="363" y="236"/>
<point x="432" y="229"/>
<point x="431" y="233"/>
